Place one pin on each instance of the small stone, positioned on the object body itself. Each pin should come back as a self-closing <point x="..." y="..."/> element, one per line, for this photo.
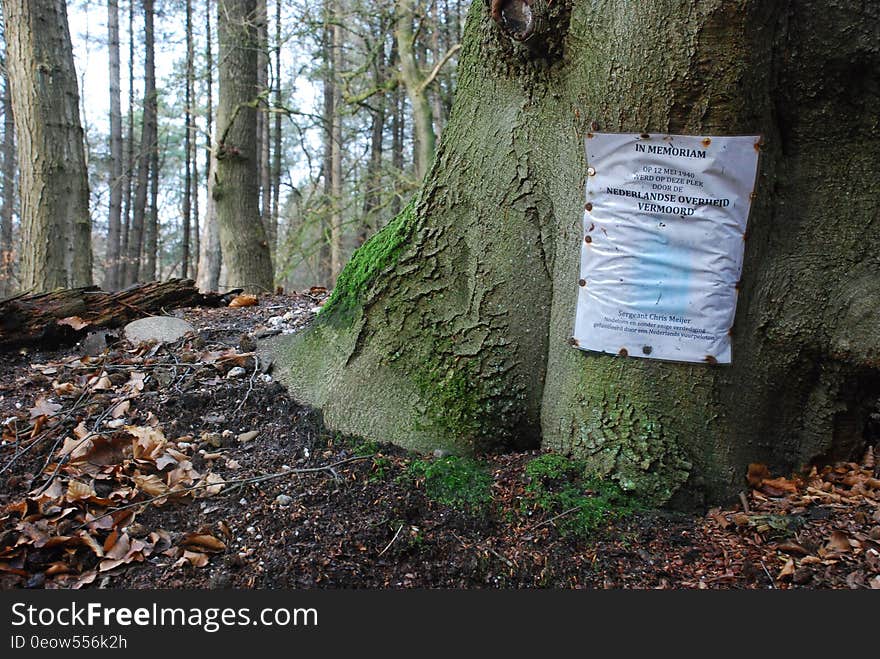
<point x="235" y="372"/>
<point x="214" y="418"/>
<point x="275" y="321"/>
<point x="266" y="378"/>
<point x="242" y="501"/>
<point x="283" y="500"/>
<point x="289" y="316"/>
<point x="441" y="453"/>
<point x="248" y="436"/>
<point x="164" y="329"/>
<point x="251" y="530"/>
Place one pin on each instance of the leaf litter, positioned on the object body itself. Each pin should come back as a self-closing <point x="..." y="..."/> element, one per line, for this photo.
<point x="147" y="466"/>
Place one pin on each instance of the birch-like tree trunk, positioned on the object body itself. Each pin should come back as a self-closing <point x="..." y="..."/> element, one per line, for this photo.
<point x="116" y="182"/>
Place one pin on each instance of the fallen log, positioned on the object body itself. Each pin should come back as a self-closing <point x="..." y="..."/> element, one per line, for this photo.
<point x="66" y="315"/>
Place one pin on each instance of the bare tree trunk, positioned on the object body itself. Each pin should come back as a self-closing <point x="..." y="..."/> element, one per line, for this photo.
<point x="398" y="122"/>
<point x="210" y="256"/>
<point x="187" y="140"/>
<point x="413" y="80"/>
<point x="325" y="271"/>
<point x="138" y="247"/>
<point x="7" y="249"/>
<point x="276" y="156"/>
<point x="373" y="178"/>
<point x="336" y="260"/>
<point x="125" y="265"/>
<point x="151" y="224"/>
<point x="263" y="124"/>
<point x="111" y="265"/>
<point x="53" y="185"/>
<point x="236" y="184"/>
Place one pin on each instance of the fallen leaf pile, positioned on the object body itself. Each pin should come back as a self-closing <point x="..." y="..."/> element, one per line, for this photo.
<point x="788" y="522"/>
<point x="82" y="522"/>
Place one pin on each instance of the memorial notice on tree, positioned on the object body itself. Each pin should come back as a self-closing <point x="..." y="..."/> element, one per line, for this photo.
<point x="663" y="242"/>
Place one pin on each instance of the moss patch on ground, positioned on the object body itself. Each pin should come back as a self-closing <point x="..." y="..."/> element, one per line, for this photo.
<point x="459" y="482"/>
<point x="560" y="487"/>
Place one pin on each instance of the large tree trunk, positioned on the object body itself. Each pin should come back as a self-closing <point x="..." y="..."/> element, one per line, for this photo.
<point x="236" y="183"/>
<point x="114" y="224"/>
<point x="56" y="230"/>
<point x="210" y="256"/>
<point x="336" y="258"/>
<point x="450" y="327"/>
<point x="7" y="208"/>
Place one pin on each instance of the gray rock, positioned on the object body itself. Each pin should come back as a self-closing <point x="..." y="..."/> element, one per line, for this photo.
<point x="283" y="500"/>
<point x="164" y="329"/>
<point x="235" y="372"/>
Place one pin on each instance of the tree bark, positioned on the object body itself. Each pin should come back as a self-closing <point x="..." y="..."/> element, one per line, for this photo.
<point x="450" y="327"/>
<point x="336" y="256"/>
<point x="114" y="215"/>
<point x="210" y="256"/>
<point x="125" y="265"/>
<point x="151" y="120"/>
<point x="236" y="184"/>
<point x="276" y="139"/>
<point x="263" y="123"/>
<point x="137" y="244"/>
<point x="413" y="80"/>
<point x="7" y="209"/>
<point x="187" y="148"/>
<point x="53" y="184"/>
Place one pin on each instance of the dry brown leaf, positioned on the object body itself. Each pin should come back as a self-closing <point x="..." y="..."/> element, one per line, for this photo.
<point x="165" y="460"/>
<point x="101" y="383"/>
<point x="243" y="301"/>
<point x="779" y="484"/>
<point x="194" y="558"/>
<point x="58" y="568"/>
<point x="786" y="571"/>
<point x="151" y="484"/>
<point x="149" y="443"/>
<point x="77" y="491"/>
<point x="839" y="541"/>
<point x="757" y="473"/>
<point x="65" y="389"/>
<point x="120" y="546"/>
<point x="121" y="409"/>
<point x="203" y="542"/>
<point x="214" y="485"/>
<point x="75" y="322"/>
<point x="42" y="407"/>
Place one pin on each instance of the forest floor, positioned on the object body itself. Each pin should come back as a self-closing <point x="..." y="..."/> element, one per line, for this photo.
<point x="186" y="465"/>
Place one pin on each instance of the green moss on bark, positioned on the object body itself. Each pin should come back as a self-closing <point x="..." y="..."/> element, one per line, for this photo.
<point x="371" y="259"/>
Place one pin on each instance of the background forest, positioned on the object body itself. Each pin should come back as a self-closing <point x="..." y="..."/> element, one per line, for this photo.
<point x="351" y="96"/>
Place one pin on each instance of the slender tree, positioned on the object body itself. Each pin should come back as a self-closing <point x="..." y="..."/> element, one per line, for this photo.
<point x="53" y="179"/>
<point x="116" y="182"/>
<point x="210" y="258"/>
<point x="124" y="273"/>
<point x="276" y="137"/>
<point x="236" y="181"/>
<point x="188" y="150"/>
<point x="151" y="120"/>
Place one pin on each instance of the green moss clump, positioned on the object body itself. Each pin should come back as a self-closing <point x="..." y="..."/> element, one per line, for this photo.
<point x="459" y="482"/>
<point x="373" y="257"/>
<point x="560" y="486"/>
<point x="451" y="397"/>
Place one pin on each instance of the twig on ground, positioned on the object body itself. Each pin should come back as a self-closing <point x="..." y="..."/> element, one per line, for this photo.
<point x="553" y="519"/>
<point x="236" y="483"/>
<point x="399" y="529"/>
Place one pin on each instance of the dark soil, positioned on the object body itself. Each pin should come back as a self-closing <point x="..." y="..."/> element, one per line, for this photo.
<point x="368" y="522"/>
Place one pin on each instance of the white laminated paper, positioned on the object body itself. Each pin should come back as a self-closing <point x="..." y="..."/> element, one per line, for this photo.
<point x="662" y="250"/>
